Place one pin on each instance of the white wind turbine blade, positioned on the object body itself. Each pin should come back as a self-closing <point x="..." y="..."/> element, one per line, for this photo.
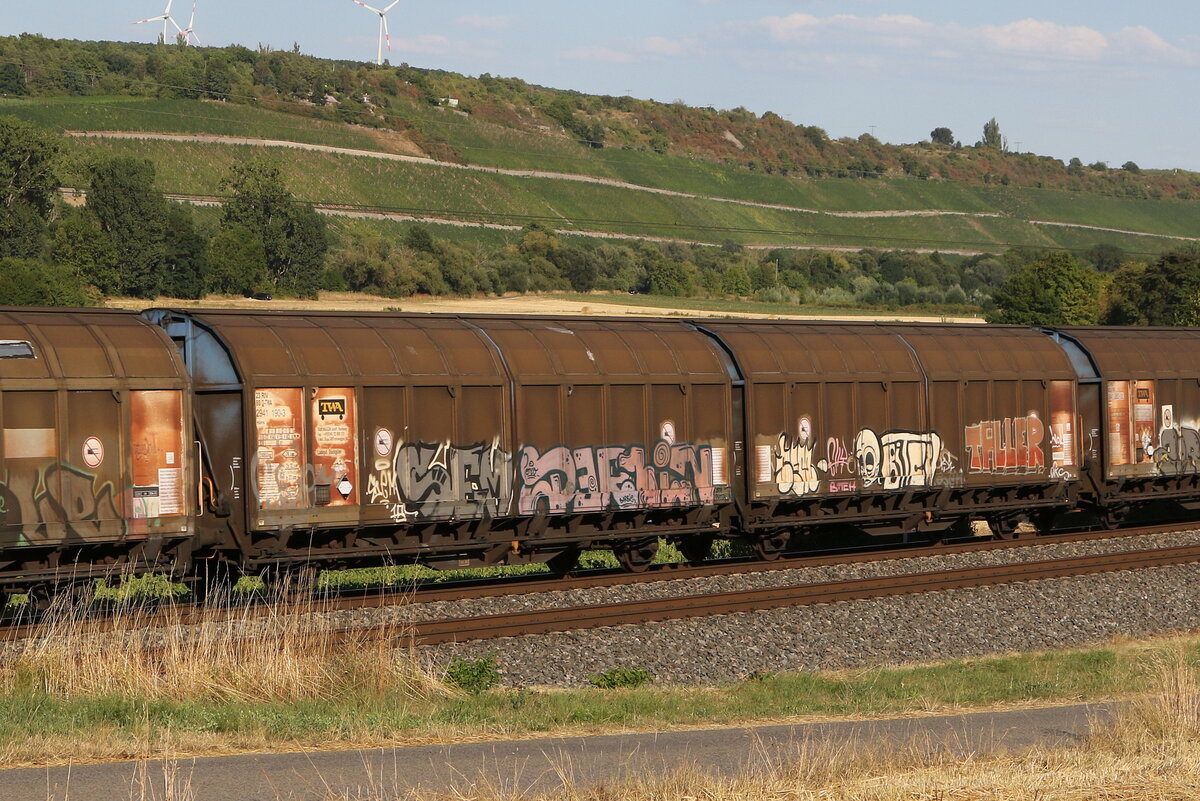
<point x="367" y="7"/>
<point x="390" y="6"/>
<point x="190" y="30"/>
<point x="159" y="18"/>
<point x="386" y="34"/>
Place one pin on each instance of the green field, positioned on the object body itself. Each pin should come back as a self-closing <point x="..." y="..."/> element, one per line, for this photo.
<point x="197" y="168"/>
<point x="182" y="116"/>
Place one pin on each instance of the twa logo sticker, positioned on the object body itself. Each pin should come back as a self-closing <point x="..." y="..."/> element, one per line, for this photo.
<point x="93" y="452"/>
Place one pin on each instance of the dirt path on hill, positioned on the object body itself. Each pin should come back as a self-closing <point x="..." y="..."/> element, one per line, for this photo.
<point x="589" y="179"/>
<point x="77" y="197"/>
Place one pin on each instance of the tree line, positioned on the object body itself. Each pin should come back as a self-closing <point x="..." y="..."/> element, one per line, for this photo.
<point x="127" y="239"/>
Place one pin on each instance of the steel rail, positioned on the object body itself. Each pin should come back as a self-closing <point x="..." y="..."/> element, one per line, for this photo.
<point x="690" y="606"/>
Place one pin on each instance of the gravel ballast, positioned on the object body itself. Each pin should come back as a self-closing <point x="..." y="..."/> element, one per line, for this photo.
<point x="1053" y="613"/>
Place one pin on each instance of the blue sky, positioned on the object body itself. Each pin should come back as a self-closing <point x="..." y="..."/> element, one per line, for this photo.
<point x="1099" y="80"/>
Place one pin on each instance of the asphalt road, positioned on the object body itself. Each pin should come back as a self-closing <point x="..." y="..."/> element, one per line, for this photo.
<point x="527" y="764"/>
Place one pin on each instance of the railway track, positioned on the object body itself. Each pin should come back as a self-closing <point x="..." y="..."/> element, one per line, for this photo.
<point x="703" y="605"/>
<point x="681" y="606"/>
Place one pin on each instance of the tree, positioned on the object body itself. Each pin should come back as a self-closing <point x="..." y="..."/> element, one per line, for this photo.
<point x="1166" y="292"/>
<point x="1105" y="257"/>
<point x="183" y="269"/>
<point x="663" y="276"/>
<point x="737" y="281"/>
<point x="942" y="136"/>
<point x="28" y="185"/>
<point x="293" y="235"/>
<point x="578" y="266"/>
<point x="122" y="196"/>
<point x="1125" y="298"/>
<point x="1131" y="166"/>
<point x="992" y="137"/>
<point x="12" y="80"/>
<point x="235" y="261"/>
<point x="26" y="282"/>
<point x="418" y="238"/>
<point x="1056" y="289"/>
<point x="79" y="244"/>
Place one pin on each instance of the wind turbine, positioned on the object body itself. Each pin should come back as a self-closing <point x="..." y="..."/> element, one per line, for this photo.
<point x="383" y="28"/>
<point x="189" y="33"/>
<point x="166" y="18"/>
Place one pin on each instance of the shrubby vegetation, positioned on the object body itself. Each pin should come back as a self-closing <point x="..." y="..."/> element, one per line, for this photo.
<point x="400" y="98"/>
<point x="128" y="240"/>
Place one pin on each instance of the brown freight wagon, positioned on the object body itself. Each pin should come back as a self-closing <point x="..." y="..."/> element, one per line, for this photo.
<point x="349" y="438"/>
<point x="96" y="448"/>
<point x="1144" y="416"/>
<point x="902" y="428"/>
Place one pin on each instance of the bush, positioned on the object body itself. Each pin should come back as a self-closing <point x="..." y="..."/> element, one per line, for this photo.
<point x="25" y="282"/>
<point x="473" y="676"/>
<point x="621" y="677"/>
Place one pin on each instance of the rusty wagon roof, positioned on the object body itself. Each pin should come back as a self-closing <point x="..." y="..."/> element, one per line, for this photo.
<point x="1141" y="353"/>
<point x="583" y="348"/>
<point x="806" y="351"/>
<point x="294" y="346"/>
<point x="84" y="347"/>
<point x="845" y="351"/>
<point x="297" y="345"/>
<point x="985" y="352"/>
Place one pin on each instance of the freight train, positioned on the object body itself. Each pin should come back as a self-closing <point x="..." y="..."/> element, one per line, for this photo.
<point x="224" y="442"/>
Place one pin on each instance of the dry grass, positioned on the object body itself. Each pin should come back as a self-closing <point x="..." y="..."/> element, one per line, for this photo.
<point x="282" y="656"/>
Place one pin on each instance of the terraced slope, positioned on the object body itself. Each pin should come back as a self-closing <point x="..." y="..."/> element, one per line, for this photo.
<point x="515" y="177"/>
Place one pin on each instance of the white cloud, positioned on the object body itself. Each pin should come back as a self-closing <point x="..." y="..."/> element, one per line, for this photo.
<point x="1035" y="42"/>
<point x="1139" y="42"/>
<point x="791" y="27"/>
<point x="660" y="46"/>
<point x="495" y="23"/>
<point x="1046" y="38"/>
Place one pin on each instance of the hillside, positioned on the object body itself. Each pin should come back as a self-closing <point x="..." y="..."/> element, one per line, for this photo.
<point x="521" y="188"/>
<point x="510" y="123"/>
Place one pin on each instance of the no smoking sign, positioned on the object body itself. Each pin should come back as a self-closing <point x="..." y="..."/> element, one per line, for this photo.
<point x="93" y="452"/>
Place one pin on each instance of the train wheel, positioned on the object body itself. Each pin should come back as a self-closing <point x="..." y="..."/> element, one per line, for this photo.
<point x="214" y="580"/>
<point x="1004" y="528"/>
<point x="70" y="597"/>
<point x="635" y="557"/>
<point x="1044" y="521"/>
<point x="563" y="563"/>
<point x="770" y="547"/>
<point x="298" y="583"/>
<point x="696" y="548"/>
